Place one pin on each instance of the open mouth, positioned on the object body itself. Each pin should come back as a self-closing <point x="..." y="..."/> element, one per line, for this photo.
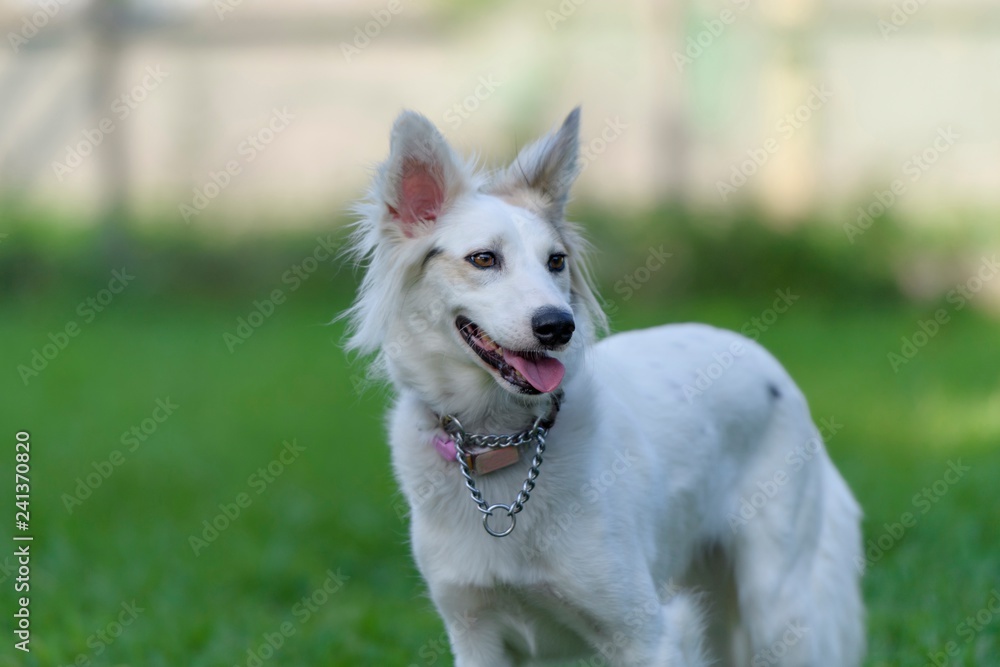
<point x="529" y="372"/>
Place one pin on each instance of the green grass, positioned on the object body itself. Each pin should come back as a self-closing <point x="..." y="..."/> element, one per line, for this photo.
<point x="335" y="507"/>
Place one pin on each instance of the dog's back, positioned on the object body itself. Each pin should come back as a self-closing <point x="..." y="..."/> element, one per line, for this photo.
<point x="772" y="525"/>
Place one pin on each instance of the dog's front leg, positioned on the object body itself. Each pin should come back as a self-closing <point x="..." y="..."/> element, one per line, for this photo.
<point x="636" y="628"/>
<point x="682" y="635"/>
<point x="475" y="630"/>
<point x="481" y="647"/>
<point x="669" y="635"/>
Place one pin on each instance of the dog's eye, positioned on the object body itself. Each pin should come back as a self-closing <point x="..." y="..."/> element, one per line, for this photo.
<point x="557" y="262"/>
<point x="483" y="260"/>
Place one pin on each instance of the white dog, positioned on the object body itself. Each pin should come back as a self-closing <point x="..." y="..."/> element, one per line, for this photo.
<point x="662" y="497"/>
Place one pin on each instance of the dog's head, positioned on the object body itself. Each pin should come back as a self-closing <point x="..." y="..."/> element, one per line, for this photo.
<point x="472" y="280"/>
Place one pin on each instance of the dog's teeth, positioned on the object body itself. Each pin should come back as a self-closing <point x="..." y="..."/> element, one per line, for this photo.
<point x="488" y="343"/>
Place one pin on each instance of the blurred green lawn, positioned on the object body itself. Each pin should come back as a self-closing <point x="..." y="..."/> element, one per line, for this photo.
<point x="334" y="511"/>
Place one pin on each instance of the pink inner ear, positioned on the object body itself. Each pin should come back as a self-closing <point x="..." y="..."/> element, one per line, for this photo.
<point x="420" y="194"/>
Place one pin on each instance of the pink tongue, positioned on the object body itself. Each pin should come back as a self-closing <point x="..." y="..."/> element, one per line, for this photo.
<point x="543" y="373"/>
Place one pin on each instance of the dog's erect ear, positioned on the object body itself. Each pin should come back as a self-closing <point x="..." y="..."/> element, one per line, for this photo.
<point x="422" y="175"/>
<point x="547" y="166"/>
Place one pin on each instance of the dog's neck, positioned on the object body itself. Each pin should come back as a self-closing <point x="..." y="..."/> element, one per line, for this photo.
<point x="496" y="412"/>
<point x="478" y="401"/>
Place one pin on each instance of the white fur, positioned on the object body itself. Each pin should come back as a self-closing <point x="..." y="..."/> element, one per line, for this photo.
<point x="630" y="551"/>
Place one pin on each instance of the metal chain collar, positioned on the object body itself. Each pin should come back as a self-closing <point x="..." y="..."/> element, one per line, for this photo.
<point x="537" y="433"/>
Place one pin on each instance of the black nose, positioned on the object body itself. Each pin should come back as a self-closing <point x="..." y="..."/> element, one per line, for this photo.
<point x="552" y="327"/>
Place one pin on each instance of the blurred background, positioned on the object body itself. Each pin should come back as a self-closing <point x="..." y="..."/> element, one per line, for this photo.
<point x="210" y="483"/>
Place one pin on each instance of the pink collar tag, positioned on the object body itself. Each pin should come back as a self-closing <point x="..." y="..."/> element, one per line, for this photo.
<point x="481" y="461"/>
<point x="445" y="446"/>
